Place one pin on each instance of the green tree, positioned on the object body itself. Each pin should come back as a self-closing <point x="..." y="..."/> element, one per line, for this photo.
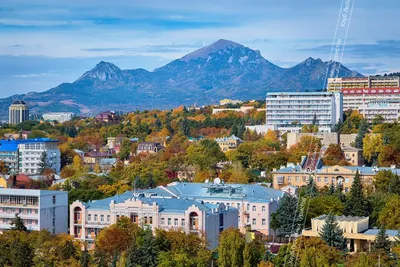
<point x="332" y="234"/>
<point x="85" y="258"/>
<point x="362" y="131"/>
<point x="230" y="249"/>
<point x="331" y="189"/>
<point x="148" y="250"/>
<point x="18" y="224"/>
<point x="383" y="179"/>
<point x="390" y="213"/>
<point x="311" y="188"/>
<point x="382" y="241"/>
<point x="125" y="149"/>
<point x="254" y="252"/>
<point x="288" y="215"/>
<point x="356" y="205"/>
<point x="43" y="162"/>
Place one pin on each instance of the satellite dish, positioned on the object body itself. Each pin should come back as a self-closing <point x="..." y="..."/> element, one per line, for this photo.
<point x="217" y="181"/>
<point x="207" y="181"/>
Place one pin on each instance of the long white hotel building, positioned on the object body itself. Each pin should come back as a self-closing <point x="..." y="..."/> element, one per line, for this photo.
<point x="289" y="111"/>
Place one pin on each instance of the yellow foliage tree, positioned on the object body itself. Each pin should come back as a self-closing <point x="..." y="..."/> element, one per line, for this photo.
<point x="97" y="168"/>
<point x="272" y="136"/>
<point x="239" y="175"/>
<point x="372" y="146"/>
<point x="77" y="163"/>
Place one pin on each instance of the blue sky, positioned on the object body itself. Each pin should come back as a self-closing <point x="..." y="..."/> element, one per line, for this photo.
<point x="45" y="42"/>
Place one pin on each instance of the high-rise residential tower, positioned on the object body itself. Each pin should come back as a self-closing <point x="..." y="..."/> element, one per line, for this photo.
<point x="18" y="112"/>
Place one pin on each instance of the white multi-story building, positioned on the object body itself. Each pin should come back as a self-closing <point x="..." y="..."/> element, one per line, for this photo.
<point x="388" y="109"/>
<point x="358" y="98"/>
<point x="58" y="116"/>
<point x="339" y="84"/>
<point x="30" y="153"/>
<point x="151" y="211"/>
<point x="39" y="209"/>
<point x="289" y="111"/>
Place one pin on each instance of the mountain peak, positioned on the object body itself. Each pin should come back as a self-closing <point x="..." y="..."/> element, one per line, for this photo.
<point x="207" y="50"/>
<point x="103" y="71"/>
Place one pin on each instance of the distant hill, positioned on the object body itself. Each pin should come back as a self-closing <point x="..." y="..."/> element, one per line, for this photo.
<point x="220" y="70"/>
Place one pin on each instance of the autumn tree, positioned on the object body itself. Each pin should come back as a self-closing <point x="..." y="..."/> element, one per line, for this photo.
<point x="18" y="224"/>
<point x="3" y="168"/>
<point x="334" y="155"/>
<point x="254" y="252"/>
<point x="372" y="146"/>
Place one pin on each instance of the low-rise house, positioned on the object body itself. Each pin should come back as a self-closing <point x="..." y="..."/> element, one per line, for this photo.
<point x="150" y="211"/>
<point x="149" y="147"/>
<point x="355" y="230"/>
<point x="93" y="157"/>
<point x="228" y="143"/>
<point x="39" y="209"/>
<point x="107" y="116"/>
<point x="106" y="164"/>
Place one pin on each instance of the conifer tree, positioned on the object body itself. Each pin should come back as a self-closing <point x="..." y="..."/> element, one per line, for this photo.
<point x="288" y="215"/>
<point x="382" y="241"/>
<point x="332" y="234"/>
<point x="362" y="130"/>
<point x="331" y="189"/>
<point x="43" y="162"/>
<point x="18" y="224"/>
<point x="356" y="205"/>
<point x="85" y="258"/>
<point x="311" y="188"/>
<point x="339" y="193"/>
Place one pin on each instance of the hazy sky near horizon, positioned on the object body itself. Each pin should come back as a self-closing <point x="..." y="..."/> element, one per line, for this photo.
<point x="45" y="42"/>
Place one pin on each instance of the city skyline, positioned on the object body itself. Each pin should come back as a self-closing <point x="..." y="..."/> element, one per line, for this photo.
<point x="45" y="44"/>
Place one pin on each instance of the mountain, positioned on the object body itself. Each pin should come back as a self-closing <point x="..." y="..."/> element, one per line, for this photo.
<point x="220" y="70"/>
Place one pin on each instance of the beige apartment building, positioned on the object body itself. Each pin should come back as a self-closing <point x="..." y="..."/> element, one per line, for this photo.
<point x="338" y="84"/>
<point x="298" y="175"/>
<point x="228" y="143"/>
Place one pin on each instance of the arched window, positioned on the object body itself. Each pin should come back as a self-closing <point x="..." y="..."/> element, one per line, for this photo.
<point x="194" y="221"/>
<point x="263" y="208"/>
<point x="254" y="208"/>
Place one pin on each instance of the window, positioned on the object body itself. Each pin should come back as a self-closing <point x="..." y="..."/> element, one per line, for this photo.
<point x="176" y="221"/>
<point x="297" y="178"/>
<point x="151" y="220"/>
<point x="263" y="208"/>
<point x="254" y="221"/>
<point x="54" y="222"/>
<point x="95" y="217"/>
<point x="238" y="206"/>
<point x="54" y="199"/>
<point x="248" y="207"/>
<point x="289" y="178"/>
<point x="326" y="180"/>
<point x="254" y="208"/>
<point x="102" y="218"/>
<point x="89" y="217"/>
<point x="108" y="218"/>
<point x="169" y="221"/>
<point x="183" y="222"/>
<point x="162" y="221"/>
<point x="318" y="179"/>
<point x="346" y="180"/>
<point x="263" y="222"/>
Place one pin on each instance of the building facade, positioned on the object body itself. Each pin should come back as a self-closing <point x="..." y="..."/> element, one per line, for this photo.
<point x="18" y="112"/>
<point x="24" y="156"/>
<point x="298" y="175"/>
<point x="148" y="147"/>
<point x="228" y="143"/>
<point x="388" y="110"/>
<point x="39" y="209"/>
<point x="254" y="202"/>
<point x="289" y="111"/>
<point x="339" y="84"/>
<point x="30" y="153"/>
<point x="151" y="211"/>
<point x="359" y="98"/>
<point x="355" y="231"/>
<point x="60" y="117"/>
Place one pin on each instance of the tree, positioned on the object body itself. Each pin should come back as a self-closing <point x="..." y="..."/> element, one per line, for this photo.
<point x="331" y="189"/>
<point x="85" y="258"/>
<point x="230" y="249"/>
<point x="77" y="163"/>
<point x="356" y="205"/>
<point x="311" y="188"/>
<point x="372" y="146"/>
<point x="323" y="204"/>
<point x="382" y="241"/>
<point x="97" y="168"/>
<point x="18" y="224"/>
<point x="43" y="162"/>
<point x="3" y="167"/>
<point x="332" y="234"/>
<point x="125" y="150"/>
<point x="383" y="180"/>
<point x="148" y="251"/>
<point x="288" y="215"/>
<point x="390" y="214"/>
<point x="254" y="252"/>
<point x="334" y="155"/>
<point x="362" y="131"/>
